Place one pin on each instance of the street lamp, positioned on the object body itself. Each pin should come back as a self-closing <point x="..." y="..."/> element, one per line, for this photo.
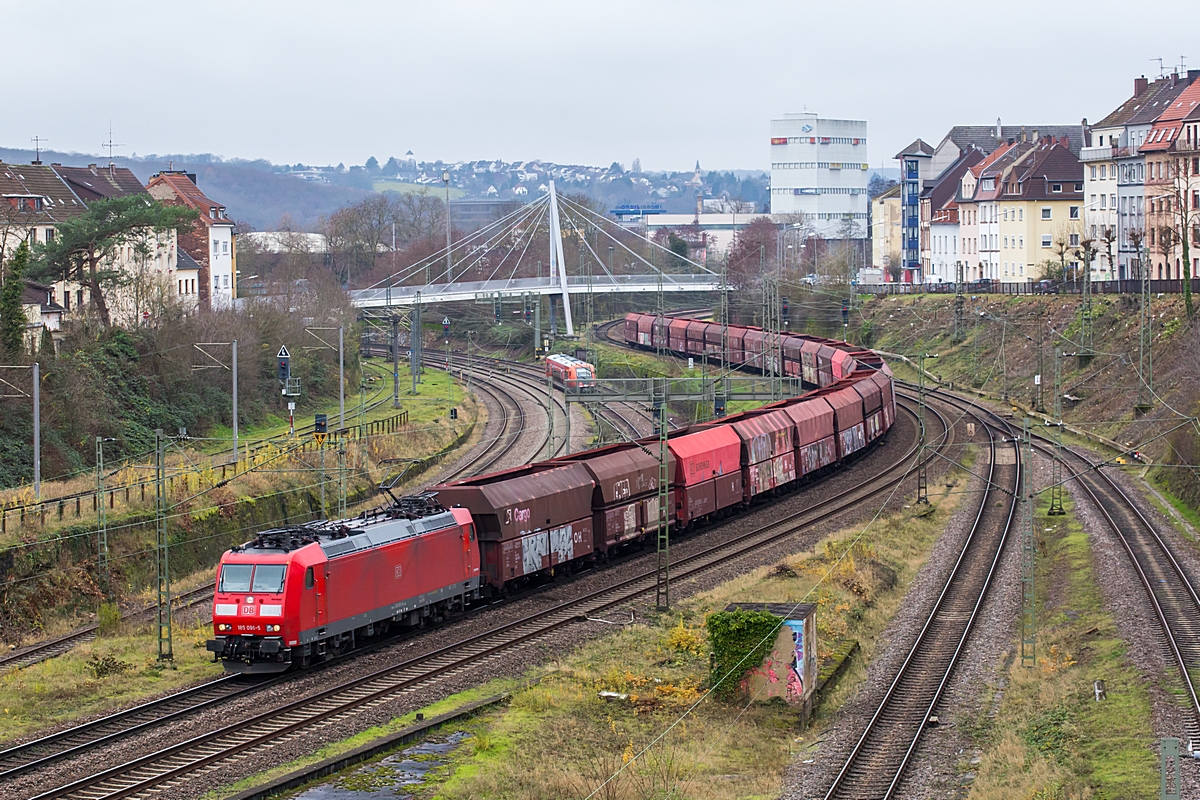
<point x="449" y="263"/>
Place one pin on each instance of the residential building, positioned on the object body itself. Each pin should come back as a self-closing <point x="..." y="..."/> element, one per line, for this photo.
<point x="1114" y="174"/>
<point x="944" y="241"/>
<point x="885" y="229"/>
<point x="210" y="243"/>
<point x="40" y="197"/>
<point x="936" y="196"/>
<point x="1039" y="208"/>
<point x="1172" y="153"/>
<point x="1131" y="166"/>
<point x="42" y="313"/>
<point x="915" y="168"/>
<point x="819" y="169"/>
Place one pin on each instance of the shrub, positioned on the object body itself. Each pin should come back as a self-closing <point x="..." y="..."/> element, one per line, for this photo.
<point x="739" y="640"/>
<point x="108" y="619"/>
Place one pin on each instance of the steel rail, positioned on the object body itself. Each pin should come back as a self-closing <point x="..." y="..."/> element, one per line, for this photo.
<point x="871" y="769"/>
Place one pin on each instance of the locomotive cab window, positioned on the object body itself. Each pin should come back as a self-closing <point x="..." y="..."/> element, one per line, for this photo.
<point x="236" y="577"/>
<point x="268" y="578"/>
<point x="308" y="578"/>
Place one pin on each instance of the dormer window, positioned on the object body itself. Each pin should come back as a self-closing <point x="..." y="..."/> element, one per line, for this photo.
<point x="1056" y="188"/>
<point x="212" y="212"/>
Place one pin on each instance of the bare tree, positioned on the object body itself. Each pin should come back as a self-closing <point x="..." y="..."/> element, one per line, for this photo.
<point x="1183" y="211"/>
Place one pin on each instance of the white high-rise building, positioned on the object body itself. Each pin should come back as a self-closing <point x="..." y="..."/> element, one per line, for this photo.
<point x="819" y="169"/>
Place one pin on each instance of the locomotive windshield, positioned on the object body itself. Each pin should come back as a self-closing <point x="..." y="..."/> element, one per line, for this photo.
<point x="265" y="578"/>
<point x="236" y="577"/>
<point x="268" y="578"/>
<point x="583" y="374"/>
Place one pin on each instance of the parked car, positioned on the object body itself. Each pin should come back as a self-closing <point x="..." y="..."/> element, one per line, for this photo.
<point x="1046" y="287"/>
<point x="982" y="285"/>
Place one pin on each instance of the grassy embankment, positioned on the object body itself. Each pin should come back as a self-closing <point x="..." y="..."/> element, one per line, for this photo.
<point x="558" y="737"/>
<point x="1048" y="738"/>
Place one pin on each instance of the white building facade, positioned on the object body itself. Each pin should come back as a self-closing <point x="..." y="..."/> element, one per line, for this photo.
<point x="819" y="169"/>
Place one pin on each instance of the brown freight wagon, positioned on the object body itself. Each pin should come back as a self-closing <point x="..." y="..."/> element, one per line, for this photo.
<point x="625" y="500"/>
<point x="695" y="337"/>
<point x="530" y="519"/>
<point x="677" y="333"/>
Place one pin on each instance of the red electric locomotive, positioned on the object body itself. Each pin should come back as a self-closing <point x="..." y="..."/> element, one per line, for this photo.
<point x="304" y="593"/>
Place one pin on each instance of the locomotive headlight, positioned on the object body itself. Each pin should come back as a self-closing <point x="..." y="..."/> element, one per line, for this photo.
<point x="222" y="627"/>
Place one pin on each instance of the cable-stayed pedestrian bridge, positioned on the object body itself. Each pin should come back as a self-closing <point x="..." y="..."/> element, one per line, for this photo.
<point x="497" y="262"/>
<point x="386" y="296"/>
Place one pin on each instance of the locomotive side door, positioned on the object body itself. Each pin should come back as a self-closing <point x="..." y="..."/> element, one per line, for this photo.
<point x="468" y="542"/>
<point x="322" y="592"/>
<point x="308" y="599"/>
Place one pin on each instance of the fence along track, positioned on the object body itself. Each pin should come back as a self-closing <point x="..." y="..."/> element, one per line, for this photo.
<point x="878" y="760"/>
<point x="160" y="772"/>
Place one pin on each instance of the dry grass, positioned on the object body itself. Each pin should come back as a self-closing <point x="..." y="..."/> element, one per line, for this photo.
<point x="1049" y="738"/>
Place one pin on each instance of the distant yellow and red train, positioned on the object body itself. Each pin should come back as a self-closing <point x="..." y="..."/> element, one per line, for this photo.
<point x="304" y="593"/>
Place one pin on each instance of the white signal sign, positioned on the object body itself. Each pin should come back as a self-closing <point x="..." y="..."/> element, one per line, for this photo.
<point x="283" y="352"/>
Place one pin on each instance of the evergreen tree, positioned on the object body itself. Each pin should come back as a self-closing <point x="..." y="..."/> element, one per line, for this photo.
<point x="12" y="315"/>
<point x="86" y="247"/>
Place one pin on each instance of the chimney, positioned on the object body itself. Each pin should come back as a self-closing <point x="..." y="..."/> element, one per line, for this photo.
<point x="1035" y="135"/>
<point x="999" y="131"/>
<point x="1140" y="85"/>
<point x="1023" y="138"/>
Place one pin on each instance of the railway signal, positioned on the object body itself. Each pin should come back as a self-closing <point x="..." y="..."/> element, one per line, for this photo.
<point x="446" y="328"/>
<point x="786" y="313"/>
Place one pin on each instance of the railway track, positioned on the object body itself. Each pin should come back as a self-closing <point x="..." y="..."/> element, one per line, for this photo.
<point x="162" y="772"/>
<point x="49" y="648"/>
<point x="1169" y="589"/>
<point x="876" y="764"/>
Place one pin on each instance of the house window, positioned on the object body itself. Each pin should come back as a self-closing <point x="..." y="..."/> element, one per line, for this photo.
<point x="226" y="281"/>
<point x="224" y="247"/>
<point x="1093" y="172"/>
<point x="1056" y="188"/>
<point x="1074" y="240"/>
<point x="1104" y="201"/>
<point x="1102" y="169"/>
<point x="212" y="213"/>
<point x="33" y="235"/>
<point x="216" y="247"/>
<point x="1046" y="212"/>
<point x="1112" y="202"/>
<point x="1046" y="240"/>
<point x="216" y="281"/>
<point x="1022" y="243"/>
<point x="1079" y="187"/>
<point x="1092" y="204"/>
<point x="49" y="234"/>
<point x="1021" y="214"/>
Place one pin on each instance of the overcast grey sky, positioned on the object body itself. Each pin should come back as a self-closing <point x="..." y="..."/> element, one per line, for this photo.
<point x="575" y="82"/>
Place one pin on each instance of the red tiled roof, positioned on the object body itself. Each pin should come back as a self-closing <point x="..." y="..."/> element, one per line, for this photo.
<point x="190" y="195"/>
<point x="1167" y="126"/>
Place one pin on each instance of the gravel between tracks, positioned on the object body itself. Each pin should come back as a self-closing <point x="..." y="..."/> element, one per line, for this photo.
<point x="1125" y="597"/>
